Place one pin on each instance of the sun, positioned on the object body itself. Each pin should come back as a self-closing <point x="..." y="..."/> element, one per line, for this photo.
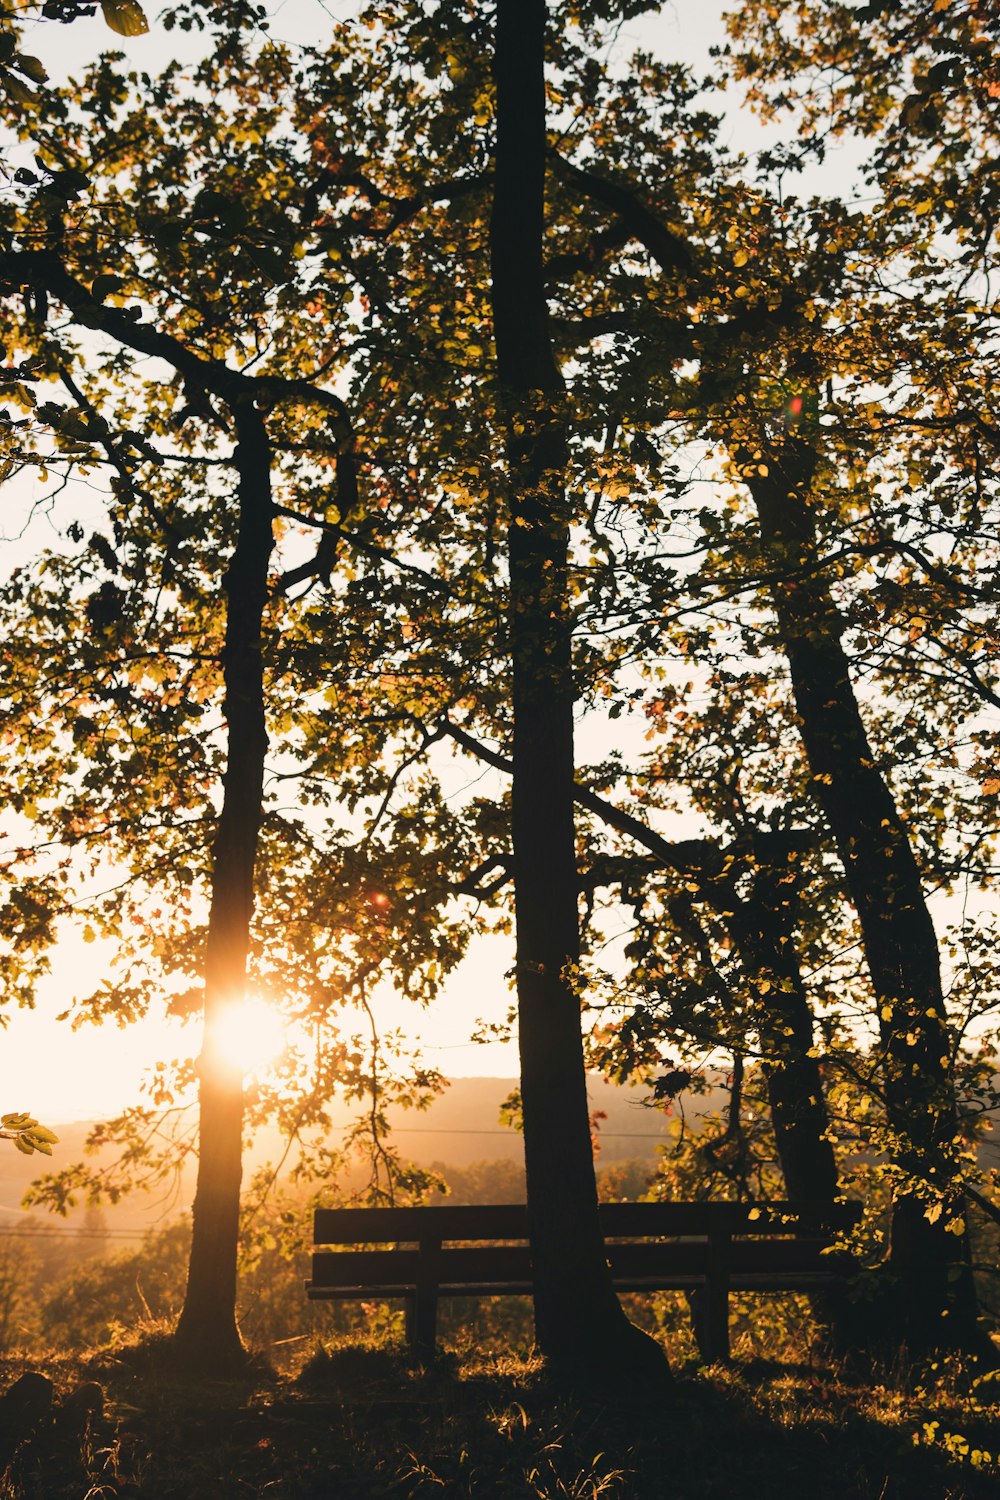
<point x="251" y="1034"/>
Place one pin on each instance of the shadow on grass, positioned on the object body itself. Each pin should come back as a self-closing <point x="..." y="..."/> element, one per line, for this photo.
<point x="361" y="1423"/>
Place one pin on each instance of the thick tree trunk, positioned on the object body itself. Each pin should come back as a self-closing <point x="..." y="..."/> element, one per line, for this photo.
<point x="579" y="1321"/>
<point x="207" y="1328"/>
<point x="935" y="1303"/>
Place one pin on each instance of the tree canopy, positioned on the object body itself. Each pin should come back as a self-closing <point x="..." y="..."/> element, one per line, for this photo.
<point x="379" y="480"/>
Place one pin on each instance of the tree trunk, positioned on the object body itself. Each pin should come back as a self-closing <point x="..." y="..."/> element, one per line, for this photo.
<point x="935" y="1303"/>
<point x="207" y="1328"/>
<point x="579" y="1321"/>
<point x="761" y="930"/>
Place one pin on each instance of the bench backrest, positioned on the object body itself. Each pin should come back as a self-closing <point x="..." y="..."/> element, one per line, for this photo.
<point x="509" y="1221"/>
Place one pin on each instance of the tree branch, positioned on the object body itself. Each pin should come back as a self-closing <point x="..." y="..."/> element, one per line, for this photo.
<point x="44" y="270"/>
<point x="667" y="249"/>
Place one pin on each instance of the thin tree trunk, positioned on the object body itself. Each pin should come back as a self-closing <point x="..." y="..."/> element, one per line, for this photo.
<point x="935" y="1304"/>
<point x="207" y="1328"/>
<point x="579" y="1321"/>
<point x="760" y="928"/>
<point x="762" y="932"/>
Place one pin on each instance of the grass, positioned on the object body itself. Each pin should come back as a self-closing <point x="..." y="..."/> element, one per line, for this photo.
<point x="352" y="1422"/>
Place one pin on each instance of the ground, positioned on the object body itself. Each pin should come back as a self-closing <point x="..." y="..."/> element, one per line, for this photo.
<point x="356" y="1423"/>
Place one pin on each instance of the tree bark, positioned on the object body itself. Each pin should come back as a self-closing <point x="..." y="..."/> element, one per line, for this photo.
<point x="207" y="1328"/>
<point x="761" y="930"/>
<point x="935" y="1304"/>
<point x="579" y="1321"/>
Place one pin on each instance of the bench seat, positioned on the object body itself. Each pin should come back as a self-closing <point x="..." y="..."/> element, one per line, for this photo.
<point x="705" y="1249"/>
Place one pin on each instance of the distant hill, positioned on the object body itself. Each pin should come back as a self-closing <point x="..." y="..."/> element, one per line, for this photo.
<point x="461" y="1127"/>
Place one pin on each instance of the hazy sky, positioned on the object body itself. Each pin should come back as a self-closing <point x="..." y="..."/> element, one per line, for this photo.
<point x="65" y="1075"/>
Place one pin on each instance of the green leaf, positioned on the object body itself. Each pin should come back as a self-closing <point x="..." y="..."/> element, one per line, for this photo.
<point x="18" y="91"/>
<point x="31" y="67"/>
<point x="104" y="285"/>
<point x="67" y="184"/>
<point x="125" y="17"/>
<point x="269" y="261"/>
<point x="211" y="204"/>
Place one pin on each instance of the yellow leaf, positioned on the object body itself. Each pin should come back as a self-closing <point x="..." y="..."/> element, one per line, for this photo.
<point x="125" y="17"/>
<point x="924" y="207"/>
<point x="740" y="258"/>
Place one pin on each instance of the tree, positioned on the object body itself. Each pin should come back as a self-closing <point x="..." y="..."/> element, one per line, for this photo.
<point x="207" y="1326"/>
<point x="749" y="352"/>
<point x="925" y="1255"/>
<point x="578" y="1318"/>
<point x="153" y="535"/>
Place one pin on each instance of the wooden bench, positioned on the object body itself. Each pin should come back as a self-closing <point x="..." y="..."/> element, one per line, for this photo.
<point x="705" y="1249"/>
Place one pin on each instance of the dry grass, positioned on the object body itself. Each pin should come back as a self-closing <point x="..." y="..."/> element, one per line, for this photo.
<point x="353" y="1422"/>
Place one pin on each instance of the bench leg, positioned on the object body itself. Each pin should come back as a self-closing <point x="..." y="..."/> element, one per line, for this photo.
<point x="421" y="1322"/>
<point x="710" y="1325"/>
<point x="695" y="1299"/>
<point x="714" y="1340"/>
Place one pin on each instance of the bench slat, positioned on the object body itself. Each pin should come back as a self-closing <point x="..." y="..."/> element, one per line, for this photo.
<point x="762" y="1281"/>
<point x="472" y="1265"/>
<point x="509" y="1221"/>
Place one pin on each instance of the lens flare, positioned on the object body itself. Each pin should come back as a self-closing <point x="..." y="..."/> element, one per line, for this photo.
<point x="250" y="1034"/>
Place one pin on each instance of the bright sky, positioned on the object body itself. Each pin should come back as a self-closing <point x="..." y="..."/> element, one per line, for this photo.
<point x="64" y="1075"/>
